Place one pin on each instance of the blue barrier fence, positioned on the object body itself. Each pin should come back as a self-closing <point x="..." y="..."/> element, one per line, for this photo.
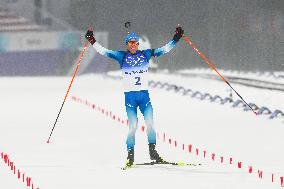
<point x="261" y="110"/>
<point x="216" y="98"/>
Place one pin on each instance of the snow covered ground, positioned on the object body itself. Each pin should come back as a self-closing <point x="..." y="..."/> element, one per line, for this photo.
<point x="277" y="77"/>
<point x="87" y="148"/>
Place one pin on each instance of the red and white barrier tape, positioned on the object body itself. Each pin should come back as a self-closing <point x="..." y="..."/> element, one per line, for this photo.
<point x="28" y="181"/>
<point x="174" y="143"/>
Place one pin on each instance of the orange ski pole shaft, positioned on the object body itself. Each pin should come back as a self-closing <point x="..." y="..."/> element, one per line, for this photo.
<point x="74" y="75"/>
<point x="211" y="65"/>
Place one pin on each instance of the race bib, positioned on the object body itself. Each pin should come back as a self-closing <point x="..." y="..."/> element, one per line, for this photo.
<point x="135" y="80"/>
<point x="135" y="71"/>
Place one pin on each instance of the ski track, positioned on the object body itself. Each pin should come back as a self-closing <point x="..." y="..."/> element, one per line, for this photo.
<point x="87" y="149"/>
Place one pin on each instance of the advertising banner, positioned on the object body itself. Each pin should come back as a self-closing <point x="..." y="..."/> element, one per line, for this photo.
<point x="32" y="41"/>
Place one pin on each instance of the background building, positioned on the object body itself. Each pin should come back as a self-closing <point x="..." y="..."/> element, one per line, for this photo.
<point x="235" y="35"/>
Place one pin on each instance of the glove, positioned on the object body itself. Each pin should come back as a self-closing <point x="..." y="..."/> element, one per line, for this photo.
<point x="90" y="36"/>
<point x="179" y="33"/>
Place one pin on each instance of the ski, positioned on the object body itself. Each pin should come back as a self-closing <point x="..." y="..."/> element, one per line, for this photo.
<point x="126" y="167"/>
<point x="179" y="164"/>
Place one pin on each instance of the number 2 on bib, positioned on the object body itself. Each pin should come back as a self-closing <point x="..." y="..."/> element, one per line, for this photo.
<point x="138" y="81"/>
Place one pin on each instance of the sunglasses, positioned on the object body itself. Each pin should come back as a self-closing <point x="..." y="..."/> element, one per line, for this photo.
<point x="133" y="42"/>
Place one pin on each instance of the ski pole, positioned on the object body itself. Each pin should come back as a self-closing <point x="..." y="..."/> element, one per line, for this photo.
<point x="77" y="67"/>
<point x="211" y="65"/>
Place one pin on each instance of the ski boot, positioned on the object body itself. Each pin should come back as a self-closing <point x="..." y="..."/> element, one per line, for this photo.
<point x="154" y="154"/>
<point x="130" y="158"/>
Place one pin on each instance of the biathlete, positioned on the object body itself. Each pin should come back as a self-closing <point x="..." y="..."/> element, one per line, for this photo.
<point x="134" y="64"/>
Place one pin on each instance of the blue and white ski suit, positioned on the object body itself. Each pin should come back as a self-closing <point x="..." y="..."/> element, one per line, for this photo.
<point x="134" y="71"/>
